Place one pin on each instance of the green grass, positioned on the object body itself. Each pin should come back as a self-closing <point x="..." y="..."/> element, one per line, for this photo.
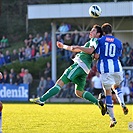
<point x="62" y="118"/>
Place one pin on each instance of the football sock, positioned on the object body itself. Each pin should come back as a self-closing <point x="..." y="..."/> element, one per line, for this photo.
<point x="109" y="105"/>
<point x="88" y="96"/>
<point x="51" y="92"/>
<point x="119" y="96"/>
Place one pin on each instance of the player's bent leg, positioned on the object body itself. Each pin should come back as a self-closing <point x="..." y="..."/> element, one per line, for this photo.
<point x="120" y="98"/>
<point x="88" y="96"/>
<point x="51" y="92"/>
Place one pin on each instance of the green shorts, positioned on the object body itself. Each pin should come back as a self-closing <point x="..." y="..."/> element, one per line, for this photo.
<point x="75" y="74"/>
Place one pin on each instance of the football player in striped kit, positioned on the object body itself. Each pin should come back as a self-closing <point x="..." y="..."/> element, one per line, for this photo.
<point x="108" y="53"/>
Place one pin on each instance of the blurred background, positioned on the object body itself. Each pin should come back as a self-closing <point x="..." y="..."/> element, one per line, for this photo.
<point x="29" y="59"/>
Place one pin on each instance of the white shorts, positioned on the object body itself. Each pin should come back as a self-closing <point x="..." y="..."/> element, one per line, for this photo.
<point x="109" y="79"/>
<point x="125" y="90"/>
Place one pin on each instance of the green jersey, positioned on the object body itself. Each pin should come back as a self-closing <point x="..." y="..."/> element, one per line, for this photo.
<point x="83" y="59"/>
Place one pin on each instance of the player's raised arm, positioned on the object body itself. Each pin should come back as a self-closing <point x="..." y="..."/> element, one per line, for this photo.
<point x="85" y="49"/>
<point x="66" y="47"/>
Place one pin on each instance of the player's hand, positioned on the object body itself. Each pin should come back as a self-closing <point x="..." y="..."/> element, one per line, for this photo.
<point x="59" y="44"/>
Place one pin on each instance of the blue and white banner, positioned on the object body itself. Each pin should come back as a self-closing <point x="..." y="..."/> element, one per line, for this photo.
<point x="10" y="92"/>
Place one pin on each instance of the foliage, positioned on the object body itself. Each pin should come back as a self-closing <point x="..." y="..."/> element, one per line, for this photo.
<point x="61" y="118"/>
<point x="34" y="66"/>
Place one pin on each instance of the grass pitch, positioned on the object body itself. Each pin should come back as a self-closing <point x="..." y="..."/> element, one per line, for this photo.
<point x="62" y="118"/>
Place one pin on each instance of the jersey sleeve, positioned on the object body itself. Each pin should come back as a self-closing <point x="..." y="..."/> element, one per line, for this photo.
<point x="94" y="43"/>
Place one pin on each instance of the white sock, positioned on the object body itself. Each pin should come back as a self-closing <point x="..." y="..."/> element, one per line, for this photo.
<point x="119" y="96"/>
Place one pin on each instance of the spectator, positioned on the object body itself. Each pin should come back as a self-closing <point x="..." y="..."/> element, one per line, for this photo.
<point x="37" y="40"/>
<point x="47" y="71"/>
<point x="63" y="29"/>
<point x="28" y="53"/>
<point x="30" y="40"/>
<point x="14" y="56"/>
<point x="21" y="55"/>
<point x="5" y="77"/>
<point x="25" y="42"/>
<point x="2" y="59"/>
<point x="50" y="83"/>
<point x="37" y="55"/>
<point x="19" y="80"/>
<point x="59" y="39"/>
<point x="75" y="37"/>
<point x="87" y="37"/>
<point x="50" y="46"/>
<point x="7" y="57"/>
<point x="130" y="59"/>
<point x="97" y="84"/>
<point x="12" y="79"/>
<point x="125" y="88"/>
<point x="4" y="42"/>
<point x="33" y="51"/>
<point x="68" y="91"/>
<point x="124" y="57"/>
<point x="67" y="41"/>
<point x="12" y="72"/>
<point x="47" y="37"/>
<point x="43" y="48"/>
<point x="42" y="86"/>
<point x="82" y="39"/>
<point x="27" y="78"/>
<point x="128" y="48"/>
<point x="22" y="73"/>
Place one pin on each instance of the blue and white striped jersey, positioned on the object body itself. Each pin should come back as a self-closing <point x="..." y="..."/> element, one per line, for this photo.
<point x="109" y="50"/>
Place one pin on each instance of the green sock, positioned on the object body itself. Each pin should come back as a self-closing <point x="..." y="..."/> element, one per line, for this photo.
<point x="51" y="92"/>
<point x="88" y="96"/>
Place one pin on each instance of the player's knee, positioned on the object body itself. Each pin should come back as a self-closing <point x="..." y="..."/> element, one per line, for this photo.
<point x="60" y="82"/>
<point x="78" y="93"/>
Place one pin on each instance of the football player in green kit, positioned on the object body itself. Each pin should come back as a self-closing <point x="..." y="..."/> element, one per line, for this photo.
<point x="77" y="72"/>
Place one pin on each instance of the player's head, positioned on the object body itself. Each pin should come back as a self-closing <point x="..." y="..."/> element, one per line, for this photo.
<point x="106" y="28"/>
<point x="96" y="31"/>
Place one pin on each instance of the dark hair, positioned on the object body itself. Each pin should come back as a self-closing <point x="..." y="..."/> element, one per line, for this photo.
<point x="126" y="73"/>
<point x="107" y="28"/>
<point x="99" y="30"/>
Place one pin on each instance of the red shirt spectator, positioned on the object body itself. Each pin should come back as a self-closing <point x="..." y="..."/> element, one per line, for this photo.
<point x="22" y="73"/>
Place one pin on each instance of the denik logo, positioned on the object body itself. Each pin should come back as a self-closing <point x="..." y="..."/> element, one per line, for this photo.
<point x="20" y="92"/>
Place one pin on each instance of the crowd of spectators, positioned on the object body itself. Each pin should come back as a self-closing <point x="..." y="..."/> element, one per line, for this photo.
<point x="16" y="78"/>
<point x="38" y="45"/>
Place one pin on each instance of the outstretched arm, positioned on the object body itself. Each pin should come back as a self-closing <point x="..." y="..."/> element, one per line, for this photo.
<point x="85" y="49"/>
<point x="70" y="48"/>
